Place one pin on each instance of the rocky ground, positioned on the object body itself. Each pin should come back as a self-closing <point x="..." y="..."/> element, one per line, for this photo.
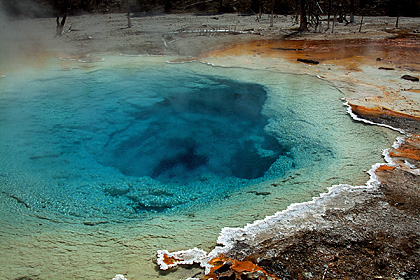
<point x="375" y="239"/>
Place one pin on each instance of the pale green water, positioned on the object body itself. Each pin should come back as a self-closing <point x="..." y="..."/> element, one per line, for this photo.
<point x="80" y="200"/>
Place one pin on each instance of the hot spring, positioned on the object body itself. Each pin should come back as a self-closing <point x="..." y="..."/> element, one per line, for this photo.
<point x="103" y="165"/>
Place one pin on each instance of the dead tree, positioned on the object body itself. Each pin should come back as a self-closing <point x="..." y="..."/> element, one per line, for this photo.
<point x="310" y="15"/>
<point x="167" y="6"/>
<point x="314" y="13"/>
<point x="341" y="9"/>
<point x="128" y="14"/>
<point x="272" y="14"/>
<point x="351" y="11"/>
<point x="329" y="15"/>
<point x="256" y="8"/>
<point x="303" y="16"/>
<point x="60" y="25"/>
<point x="61" y="9"/>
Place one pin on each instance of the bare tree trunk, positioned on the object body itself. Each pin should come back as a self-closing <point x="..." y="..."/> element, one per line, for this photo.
<point x="128" y="14"/>
<point x="361" y="23"/>
<point x="167" y="6"/>
<point x="303" y="17"/>
<point x="398" y="14"/>
<point x="61" y="10"/>
<point x="272" y="14"/>
<point x="329" y="15"/>
<point x="60" y="26"/>
<point x="352" y="11"/>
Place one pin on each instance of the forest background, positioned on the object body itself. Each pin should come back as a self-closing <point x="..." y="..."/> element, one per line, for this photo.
<point x="50" y="8"/>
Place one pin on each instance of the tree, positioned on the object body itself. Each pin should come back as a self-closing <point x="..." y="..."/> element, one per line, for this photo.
<point x="351" y="11"/>
<point x="303" y="16"/>
<point x="128" y="14"/>
<point x="168" y="6"/>
<point x="256" y="7"/>
<point x="60" y="8"/>
<point x="329" y="14"/>
<point x="272" y="14"/>
<point x="60" y="25"/>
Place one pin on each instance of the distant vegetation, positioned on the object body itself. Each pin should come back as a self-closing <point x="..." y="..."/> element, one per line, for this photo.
<point x="47" y="8"/>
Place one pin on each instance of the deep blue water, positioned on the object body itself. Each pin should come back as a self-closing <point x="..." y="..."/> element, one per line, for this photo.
<point x="121" y="141"/>
<point x="213" y="128"/>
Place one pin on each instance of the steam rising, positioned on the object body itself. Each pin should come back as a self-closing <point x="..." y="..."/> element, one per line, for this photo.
<point x="26" y="8"/>
<point x="23" y="38"/>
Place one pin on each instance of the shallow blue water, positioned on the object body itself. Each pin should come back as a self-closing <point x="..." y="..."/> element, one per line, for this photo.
<point x="114" y="143"/>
